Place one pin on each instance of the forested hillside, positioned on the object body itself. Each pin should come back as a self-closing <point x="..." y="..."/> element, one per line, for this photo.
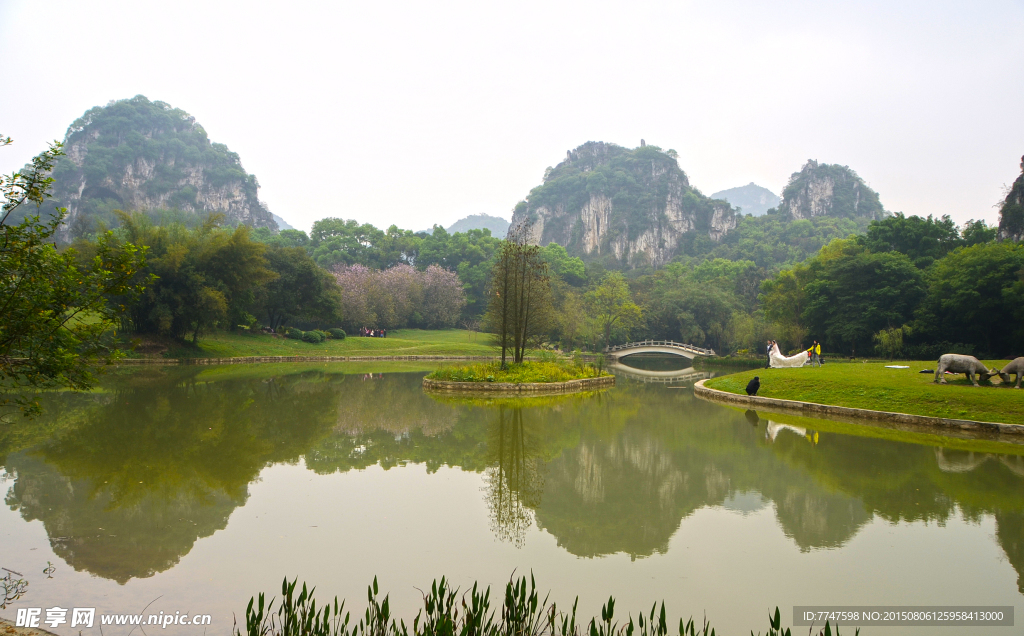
<point x="822" y="189"/>
<point x="139" y="155"/>
<point x="635" y="209"/>
<point x="622" y="207"/>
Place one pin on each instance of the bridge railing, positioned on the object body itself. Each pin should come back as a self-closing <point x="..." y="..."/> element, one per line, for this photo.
<point x="661" y="343"/>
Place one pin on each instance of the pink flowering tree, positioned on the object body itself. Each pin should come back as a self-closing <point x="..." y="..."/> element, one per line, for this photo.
<point x="399" y="296"/>
<point x="443" y="298"/>
<point x="355" y="284"/>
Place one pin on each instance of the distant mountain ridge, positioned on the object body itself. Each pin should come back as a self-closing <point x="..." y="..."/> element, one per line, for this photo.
<point x="497" y="225"/>
<point x="281" y="223"/>
<point x="750" y="199"/>
<point x="137" y="154"/>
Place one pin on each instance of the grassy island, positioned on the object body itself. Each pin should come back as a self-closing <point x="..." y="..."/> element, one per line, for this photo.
<point x="527" y="371"/>
<point x="872" y="386"/>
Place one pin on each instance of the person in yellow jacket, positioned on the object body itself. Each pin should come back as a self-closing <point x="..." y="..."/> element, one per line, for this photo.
<point x="815" y="353"/>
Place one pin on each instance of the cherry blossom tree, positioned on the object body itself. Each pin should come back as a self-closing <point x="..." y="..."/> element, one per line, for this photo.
<point x="399" y="296"/>
<point x="443" y="298"/>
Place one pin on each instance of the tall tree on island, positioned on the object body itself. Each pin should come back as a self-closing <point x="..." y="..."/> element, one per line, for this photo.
<point x="519" y="304"/>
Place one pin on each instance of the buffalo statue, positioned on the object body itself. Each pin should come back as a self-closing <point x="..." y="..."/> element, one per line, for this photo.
<point x="968" y="365"/>
<point x="1015" y="367"/>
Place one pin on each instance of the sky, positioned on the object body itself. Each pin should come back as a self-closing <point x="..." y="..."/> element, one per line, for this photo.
<point x="416" y="113"/>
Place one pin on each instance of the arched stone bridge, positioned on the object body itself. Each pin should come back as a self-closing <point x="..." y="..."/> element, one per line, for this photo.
<point x="658" y="346"/>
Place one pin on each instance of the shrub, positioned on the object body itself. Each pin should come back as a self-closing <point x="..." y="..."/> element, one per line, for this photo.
<point x="336" y="333"/>
<point x="314" y="337"/>
<point x="293" y="333"/>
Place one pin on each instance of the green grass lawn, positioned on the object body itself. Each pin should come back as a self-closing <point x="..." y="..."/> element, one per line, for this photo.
<point x="871" y="386"/>
<point x="404" y="342"/>
<point x="528" y="371"/>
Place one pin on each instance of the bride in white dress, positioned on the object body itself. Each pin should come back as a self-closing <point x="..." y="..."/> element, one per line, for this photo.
<point x="779" y="361"/>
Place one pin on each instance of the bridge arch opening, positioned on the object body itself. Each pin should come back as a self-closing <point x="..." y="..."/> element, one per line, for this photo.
<point x="655" y="361"/>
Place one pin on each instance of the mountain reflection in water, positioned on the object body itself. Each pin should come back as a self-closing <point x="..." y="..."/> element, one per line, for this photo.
<point x="126" y="480"/>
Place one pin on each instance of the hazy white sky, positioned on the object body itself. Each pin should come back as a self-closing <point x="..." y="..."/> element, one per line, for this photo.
<point x="417" y="113"/>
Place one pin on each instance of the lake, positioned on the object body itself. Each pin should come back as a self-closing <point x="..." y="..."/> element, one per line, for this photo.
<point x="193" y="488"/>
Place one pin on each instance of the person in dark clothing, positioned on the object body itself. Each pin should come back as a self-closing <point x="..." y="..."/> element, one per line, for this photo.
<point x="754" y="385"/>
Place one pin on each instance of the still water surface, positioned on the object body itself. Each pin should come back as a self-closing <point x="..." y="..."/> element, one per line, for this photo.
<point x="200" y="487"/>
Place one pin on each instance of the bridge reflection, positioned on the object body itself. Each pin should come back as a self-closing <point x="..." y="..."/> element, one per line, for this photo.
<point x="662" y="377"/>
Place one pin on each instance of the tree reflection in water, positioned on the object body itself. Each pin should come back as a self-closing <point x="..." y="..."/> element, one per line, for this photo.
<point x="128" y="480"/>
<point x="125" y="481"/>
<point x="514" y="481"/>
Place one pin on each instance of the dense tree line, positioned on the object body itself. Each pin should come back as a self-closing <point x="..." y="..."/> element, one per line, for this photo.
<point x="906" y="286"/>
<point x="934" y="287"/>
<point x="335" y="243"/>
<point x="208" y="276"/>
<point x="924" y="281"/>
<point x="899" y="285"/>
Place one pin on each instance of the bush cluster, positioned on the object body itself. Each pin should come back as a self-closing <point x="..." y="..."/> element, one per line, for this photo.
<point x="314" y="337"/>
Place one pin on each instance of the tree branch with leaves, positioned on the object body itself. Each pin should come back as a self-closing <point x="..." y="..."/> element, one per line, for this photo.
<point x="60" y="310"/>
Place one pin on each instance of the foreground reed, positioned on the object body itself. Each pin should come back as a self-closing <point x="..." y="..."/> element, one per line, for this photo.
<point x="447" y="613"/>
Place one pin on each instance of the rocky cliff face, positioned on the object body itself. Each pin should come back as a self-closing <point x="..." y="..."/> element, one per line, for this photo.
<point x="136" y="154"/>
<point x="829" y="190"/>
<point x="1011" y="213"/>
<point x="634" y="206"/>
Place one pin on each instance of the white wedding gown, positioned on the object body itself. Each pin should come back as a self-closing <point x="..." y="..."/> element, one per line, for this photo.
<point x="772" y="431"/>
<point x="779" y="361"/>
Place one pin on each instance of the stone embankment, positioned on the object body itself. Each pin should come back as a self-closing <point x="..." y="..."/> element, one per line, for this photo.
<point x="570" y="386"/>
<point x="813" y="409"/>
